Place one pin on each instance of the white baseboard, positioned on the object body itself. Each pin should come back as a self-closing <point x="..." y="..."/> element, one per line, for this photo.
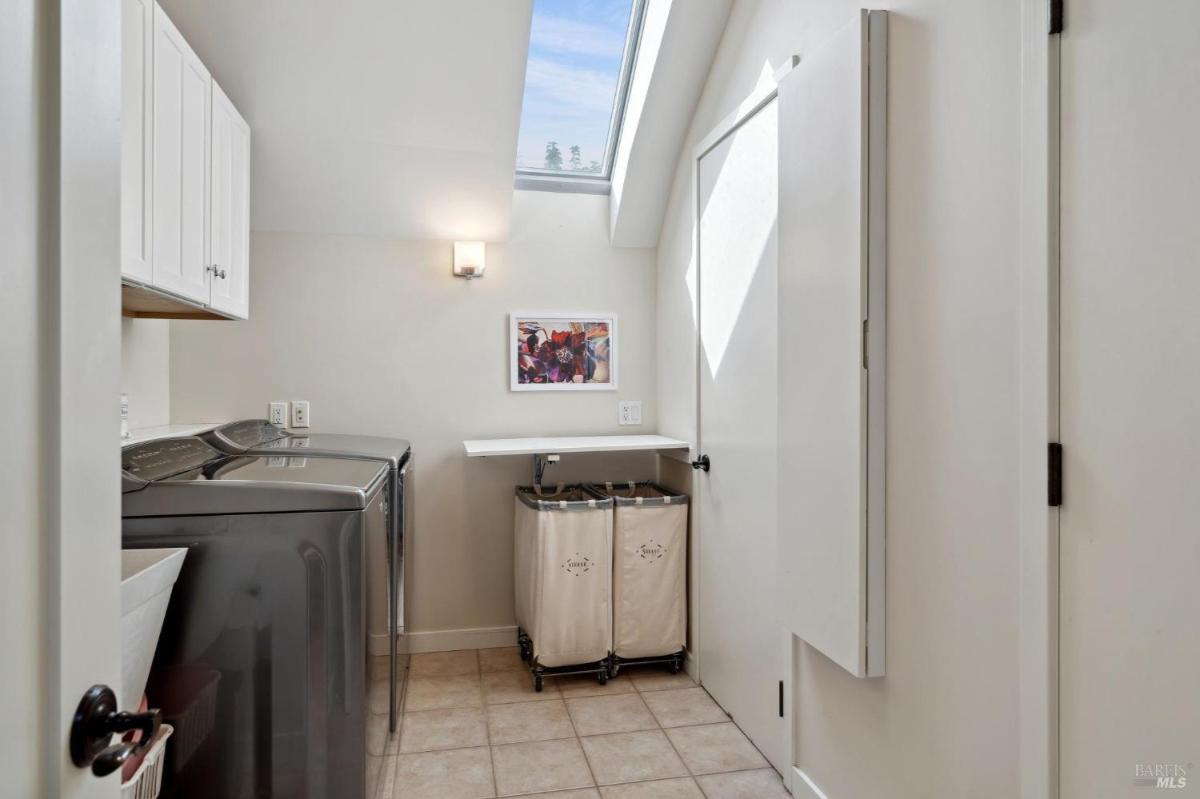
<point x="803" y="786"/>
<point x="447" y="640"/>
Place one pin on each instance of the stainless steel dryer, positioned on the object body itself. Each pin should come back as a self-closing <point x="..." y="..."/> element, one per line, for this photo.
<point x="262" y="663"/>
<point x="260" y="437"/>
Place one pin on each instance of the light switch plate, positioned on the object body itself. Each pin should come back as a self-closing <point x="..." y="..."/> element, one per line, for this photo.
<point x="300" y="413"/>
<point x="629" y="412"/>
<point x="278" y="414"/>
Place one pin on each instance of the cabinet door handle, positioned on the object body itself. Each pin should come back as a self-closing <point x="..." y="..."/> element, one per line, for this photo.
<point x="216" y="272"/>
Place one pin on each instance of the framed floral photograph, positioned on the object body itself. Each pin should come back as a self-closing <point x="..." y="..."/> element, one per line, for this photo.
<point x="563" y="352"/>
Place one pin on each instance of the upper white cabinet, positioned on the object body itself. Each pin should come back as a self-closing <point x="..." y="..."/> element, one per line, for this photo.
<point x="185" y="187"/>
<point x="229" y="208"/>
<point x="181" y="95"/>
<point x="137" y="20"/>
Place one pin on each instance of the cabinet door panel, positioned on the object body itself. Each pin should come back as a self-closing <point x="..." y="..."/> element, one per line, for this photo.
<point x="229" y="212"/>
<point x="180" y="164"/>
<point x="137" y="20"/>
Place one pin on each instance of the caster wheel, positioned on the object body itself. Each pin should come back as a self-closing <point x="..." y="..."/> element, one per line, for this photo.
<point x="526" y="652"/>
<point x="675" y="666"/>
<point x="602" y="677"/>
<point x="538" y="685"/>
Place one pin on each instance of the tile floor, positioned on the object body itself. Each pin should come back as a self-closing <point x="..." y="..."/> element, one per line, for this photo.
<point x="473" y="727"/>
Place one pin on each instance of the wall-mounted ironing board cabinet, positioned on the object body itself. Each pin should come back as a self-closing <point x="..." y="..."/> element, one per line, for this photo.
<point x="832" y="250"/>
<point x="547" y="450"/>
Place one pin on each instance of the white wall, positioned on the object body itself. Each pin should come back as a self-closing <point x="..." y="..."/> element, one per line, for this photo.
<point x="146" y="371"/>
<point x="379" y="336"/>
<point x="943" y="721"/>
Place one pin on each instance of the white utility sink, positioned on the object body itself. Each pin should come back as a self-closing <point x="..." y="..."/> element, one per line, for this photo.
<point x="147" y="576"/>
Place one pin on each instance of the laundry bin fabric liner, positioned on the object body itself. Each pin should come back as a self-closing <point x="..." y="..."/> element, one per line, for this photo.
<point x="562" y="563"/>
<point x="650" y="530"/>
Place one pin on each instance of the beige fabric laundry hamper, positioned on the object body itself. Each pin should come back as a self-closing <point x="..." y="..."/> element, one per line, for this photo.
<point x="563" y="571"/>
<point x="649" y="572"/>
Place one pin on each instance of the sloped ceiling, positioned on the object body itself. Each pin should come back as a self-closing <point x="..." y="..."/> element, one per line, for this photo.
<point x="385" y="117"/>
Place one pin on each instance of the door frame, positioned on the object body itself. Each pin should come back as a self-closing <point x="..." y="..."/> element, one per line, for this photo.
<point x="1038" y="414"/>
<point x="66" y="214"/>
<point x="747" y="108"/>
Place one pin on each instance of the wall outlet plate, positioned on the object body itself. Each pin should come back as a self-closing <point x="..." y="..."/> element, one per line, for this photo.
<point x="277" y="414"/>
<point x="629" y="412"/>
<point x="300" y="413"/>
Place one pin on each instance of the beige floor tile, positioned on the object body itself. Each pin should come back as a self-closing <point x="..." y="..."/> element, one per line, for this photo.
<point x="657" y="679"/>
<point x="378" y="694"/>
<point x="761" y="784"/>
<point x="434" y="693"/>
<point x="632" y="756"/>
<point x="715" y="747"/>
<point x="445" y="664"/>
<point x="379" y="740"/>
<point x="515" y="686"/>
<point x="505" y="658"/>
<point x="540" y="766"/>
<point x="582" y="793"/>
<point x="684" y="707"/>
<point x="586" y="685"/>
<point x="598" y="715"/>
<point x="375" y="773"/>
<point x="681" y="788"/>
<point x="384" y="781"/>
<point x="456" y="728"/>
<point x="519" y="722"/>
<point x="454" y="774"/>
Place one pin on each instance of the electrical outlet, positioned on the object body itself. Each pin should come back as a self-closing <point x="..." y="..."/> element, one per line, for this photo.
<point x="629" y="412"/>
<point x="278" y="414"/>
<point x="300" y="413"/>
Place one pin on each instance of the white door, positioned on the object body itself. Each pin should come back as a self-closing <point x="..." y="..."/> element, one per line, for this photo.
<point x="741" y="642"/>
<point x="137" y="21"/>
<point x="1130" y="397"/>
<point x="229" y="211"/>
<point x="180" y="164"/>
<point x="60" y="322"/>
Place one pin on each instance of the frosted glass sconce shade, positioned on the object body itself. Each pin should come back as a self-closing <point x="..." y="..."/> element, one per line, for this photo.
<point x="468" y="259"/>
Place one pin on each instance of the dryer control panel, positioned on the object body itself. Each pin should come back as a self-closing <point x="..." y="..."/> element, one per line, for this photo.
<point x="156" y="460"/>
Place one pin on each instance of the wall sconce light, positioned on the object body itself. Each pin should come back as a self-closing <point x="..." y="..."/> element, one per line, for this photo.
<point x="468" y="259"/>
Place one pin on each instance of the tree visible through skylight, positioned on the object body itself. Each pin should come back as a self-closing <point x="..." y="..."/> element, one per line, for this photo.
<point x="571" y="81"/>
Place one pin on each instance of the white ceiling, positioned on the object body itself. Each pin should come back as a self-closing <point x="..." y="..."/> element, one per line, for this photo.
<point x="388" y="117"/>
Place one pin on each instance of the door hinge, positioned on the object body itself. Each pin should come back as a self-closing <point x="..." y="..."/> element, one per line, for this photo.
<point x="1056" y="16"/>
<point x="781" y="699"/>
<point x="864" y="343"/>
<point x="1054" y="465"/>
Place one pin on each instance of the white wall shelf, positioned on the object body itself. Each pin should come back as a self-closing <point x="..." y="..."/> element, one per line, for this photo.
<point x="563" y="445"/>
<point x="546" y="451"/>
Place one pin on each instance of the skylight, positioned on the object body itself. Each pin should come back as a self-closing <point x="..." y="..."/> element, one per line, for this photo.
<point x="580" y="56"/>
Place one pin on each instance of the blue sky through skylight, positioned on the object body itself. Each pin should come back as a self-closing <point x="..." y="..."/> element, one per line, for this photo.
<point x="575" y="50"/>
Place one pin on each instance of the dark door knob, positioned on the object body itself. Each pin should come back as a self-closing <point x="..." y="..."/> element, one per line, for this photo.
<point x="96" y="719"/>
<point x="704" y="464"/>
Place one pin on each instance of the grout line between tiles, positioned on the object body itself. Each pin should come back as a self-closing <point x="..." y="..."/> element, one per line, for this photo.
<point x="579" y="743"/>
<point x="671" y="743"/>
<point x="487" y="726"/>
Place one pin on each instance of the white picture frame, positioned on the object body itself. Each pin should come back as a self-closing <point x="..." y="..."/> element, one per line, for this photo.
<point x="547" y="319"/>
